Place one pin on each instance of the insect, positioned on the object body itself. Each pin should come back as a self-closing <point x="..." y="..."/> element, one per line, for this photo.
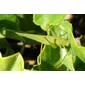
<point x="60" y="36"/>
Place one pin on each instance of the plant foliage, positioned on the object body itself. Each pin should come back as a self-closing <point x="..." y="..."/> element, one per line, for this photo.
<point x="59" y="52"/>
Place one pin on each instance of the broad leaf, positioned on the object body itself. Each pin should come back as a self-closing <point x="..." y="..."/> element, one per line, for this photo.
<point x="62" y="32"/>
<point x="76" y="50"/>
<point x="80" y="52"/>
<point x="44" y="39"/>
<point x="49" y="59"/>
<point x="45" y="20"/>
<point x="48" y="40"/>
<point x="4" y="45"/>
<point x="14" y="63"/>
<point x="10" y="17"/>
<point x="68" y="62"/>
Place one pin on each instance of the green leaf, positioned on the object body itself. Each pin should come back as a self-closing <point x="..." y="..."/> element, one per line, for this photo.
<point x="45" y="20"/>
<point x="61" y="31"/>
<point x="20" y="15"/>
<point x="43" y="60"/>
<point x="80" y="52"/>
<point x="79" y="65"/>
<point x="67" y="58"/>
<point x="9" y="21"/>
<point x="10" y="17"/>
<point x="45" y="39"/>
<point x="68" y="28"/>
<point x="68" y="62"/>
<point x="49" y="59"/>
<point x="12" y="63"/>
<point x="4" y="44"/>
<point x="11" y="34"/>
<point x="48" y="40"/>
<point x="58" y="31"/>
<point x="76" y="50"/>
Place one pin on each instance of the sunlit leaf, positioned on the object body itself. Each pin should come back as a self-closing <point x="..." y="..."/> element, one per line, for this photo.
<point x="48" y="40"/>
<point x="45" y="20"/>
<point x="12" y="63"/>
<point x="68" y="62"/>
<point x="78" y="51"/>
